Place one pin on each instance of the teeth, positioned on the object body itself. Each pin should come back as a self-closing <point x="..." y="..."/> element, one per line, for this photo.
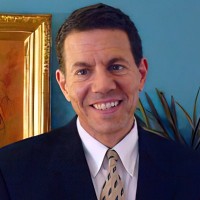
<point x="108" y="105"/>
<point x="104" y="106"/>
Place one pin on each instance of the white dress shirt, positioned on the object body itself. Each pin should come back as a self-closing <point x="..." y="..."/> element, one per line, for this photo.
<point x="127" y="165"/>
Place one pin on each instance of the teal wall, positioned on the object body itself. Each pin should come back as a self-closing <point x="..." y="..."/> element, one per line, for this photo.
<point x="171" y="39"/>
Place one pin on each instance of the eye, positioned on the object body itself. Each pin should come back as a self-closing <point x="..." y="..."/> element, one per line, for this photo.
<point x="82" y="72"/>
<point x="116" y="67"/>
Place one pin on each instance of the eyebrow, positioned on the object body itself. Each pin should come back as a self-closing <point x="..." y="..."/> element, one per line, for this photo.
<point x="110" y="62"/>
<point x="117" y="59"/>
<point x="81" y="64"/>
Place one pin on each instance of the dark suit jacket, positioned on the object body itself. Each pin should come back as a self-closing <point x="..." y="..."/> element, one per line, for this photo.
<point x="52" y="166"/>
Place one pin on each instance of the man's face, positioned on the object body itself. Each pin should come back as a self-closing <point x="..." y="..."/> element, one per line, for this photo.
<point x="102" y="80"/>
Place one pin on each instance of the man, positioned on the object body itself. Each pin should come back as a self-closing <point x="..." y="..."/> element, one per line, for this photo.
<point x="102" y="70"/>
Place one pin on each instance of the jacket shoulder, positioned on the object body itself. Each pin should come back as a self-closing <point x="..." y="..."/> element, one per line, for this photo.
<point x="169" y="155"/>
<point x="40" y="144"/>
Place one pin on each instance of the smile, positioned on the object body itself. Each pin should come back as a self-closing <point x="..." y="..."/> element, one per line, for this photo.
<point x="105" y="106"/>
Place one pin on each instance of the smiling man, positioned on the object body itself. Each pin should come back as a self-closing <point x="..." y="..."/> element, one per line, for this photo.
<point x="103" y="153"/>
<point x="102" y="81"/>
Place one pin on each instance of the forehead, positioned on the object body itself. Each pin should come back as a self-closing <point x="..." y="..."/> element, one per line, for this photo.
<point x="95" y="40"/>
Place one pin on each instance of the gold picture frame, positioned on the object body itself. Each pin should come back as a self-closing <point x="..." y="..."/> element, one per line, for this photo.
<point x="25" y="42"/>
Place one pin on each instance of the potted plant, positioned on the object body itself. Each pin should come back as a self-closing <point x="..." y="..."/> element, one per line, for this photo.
<point x="167" y="125"/>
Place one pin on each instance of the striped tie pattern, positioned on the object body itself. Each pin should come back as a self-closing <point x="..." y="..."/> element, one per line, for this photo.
<point x="113" y="187"/>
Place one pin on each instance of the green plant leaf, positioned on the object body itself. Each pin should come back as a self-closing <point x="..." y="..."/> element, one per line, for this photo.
<point x="164" y="105"/>
<point x="197" y="135"/>
<point x="170" y="117"/>
<point x="157" y="116"/>
<point x="140" y="120"/>
<point x="173" y="108"/>
<point x="155" y="132"/>
<point x="175" y="120"/>
<point x="195" y="108"/>
<point x="143" y="112"/>
<point x="190" y="122"/>
<point x="186" y="114"/>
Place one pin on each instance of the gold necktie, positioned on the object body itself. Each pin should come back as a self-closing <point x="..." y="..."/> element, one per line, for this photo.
<point x="113" y="187"/>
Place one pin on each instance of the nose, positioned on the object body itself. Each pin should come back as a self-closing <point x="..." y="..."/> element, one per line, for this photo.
<point x="103" y="82"/>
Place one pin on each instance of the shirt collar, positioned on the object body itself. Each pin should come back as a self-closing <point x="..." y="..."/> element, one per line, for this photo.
<point x="127" y="150"/>
<point x="95" y="151"/>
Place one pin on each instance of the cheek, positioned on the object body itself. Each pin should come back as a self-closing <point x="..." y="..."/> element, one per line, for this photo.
<point x="131" y="86"/>
<point x="77" y="94"/>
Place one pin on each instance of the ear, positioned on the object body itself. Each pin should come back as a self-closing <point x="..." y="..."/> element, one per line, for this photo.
<point x="143" y="69"/>
<point x="61" y="79"/>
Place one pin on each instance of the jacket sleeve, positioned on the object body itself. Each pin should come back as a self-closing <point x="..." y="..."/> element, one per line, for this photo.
<point x="3" y="189"/>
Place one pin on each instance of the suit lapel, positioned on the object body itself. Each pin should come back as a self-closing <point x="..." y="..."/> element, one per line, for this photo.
<point x="153" y="182"/>
<point x="73" y="170"/>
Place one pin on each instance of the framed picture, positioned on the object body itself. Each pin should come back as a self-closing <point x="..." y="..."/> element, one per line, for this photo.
<point x="25" y="42"/>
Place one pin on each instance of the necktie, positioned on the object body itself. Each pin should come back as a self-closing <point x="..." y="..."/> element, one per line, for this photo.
<point x="113" y="187"/>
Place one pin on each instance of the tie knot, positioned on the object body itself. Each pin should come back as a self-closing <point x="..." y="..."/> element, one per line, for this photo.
<point x="112" y="156"/>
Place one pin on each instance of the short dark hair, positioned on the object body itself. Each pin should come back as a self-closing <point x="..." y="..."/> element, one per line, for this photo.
<point x="98" y="16"/>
